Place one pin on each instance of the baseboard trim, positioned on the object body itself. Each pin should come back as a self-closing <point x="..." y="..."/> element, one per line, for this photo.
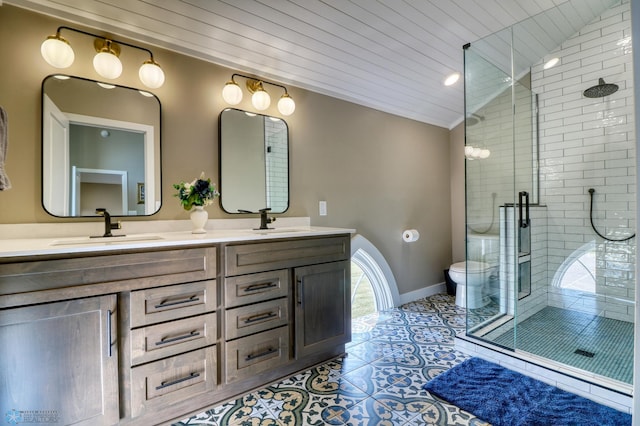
<point x="421" y="293"/>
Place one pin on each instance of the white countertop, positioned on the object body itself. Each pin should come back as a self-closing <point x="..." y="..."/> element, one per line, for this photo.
<point x="15" y="247"/>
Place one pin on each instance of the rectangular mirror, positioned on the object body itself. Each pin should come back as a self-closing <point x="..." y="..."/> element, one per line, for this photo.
<point x="254" y="162"/>
<point x="100" y="148"/>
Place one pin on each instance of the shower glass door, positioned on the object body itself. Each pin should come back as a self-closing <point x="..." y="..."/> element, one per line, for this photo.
<point x="490" y="188"/>
<point x="561" y="284"/>
<point x="501" y="153"/>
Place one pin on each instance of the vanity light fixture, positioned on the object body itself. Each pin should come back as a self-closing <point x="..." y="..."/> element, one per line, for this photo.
<point x="58" y="53"/>
<point x="260" y="99"/>
<point x="476" y="153"/>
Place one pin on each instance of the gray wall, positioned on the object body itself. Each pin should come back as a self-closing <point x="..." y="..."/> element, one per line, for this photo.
<point x="378" y="173"/>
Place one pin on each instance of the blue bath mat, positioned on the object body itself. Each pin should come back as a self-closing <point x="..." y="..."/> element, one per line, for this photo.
<point x="506" y="398"/>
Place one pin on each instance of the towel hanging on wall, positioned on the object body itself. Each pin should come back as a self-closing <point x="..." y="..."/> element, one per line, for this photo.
<point x="4" y="179"/>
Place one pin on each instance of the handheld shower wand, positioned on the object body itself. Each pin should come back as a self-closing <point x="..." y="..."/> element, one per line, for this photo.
<point x="591" y="192"/>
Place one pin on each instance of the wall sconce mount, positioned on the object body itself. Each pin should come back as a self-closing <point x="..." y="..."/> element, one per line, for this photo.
<point x="260" y="99"/>
<point x="58" y="53"/>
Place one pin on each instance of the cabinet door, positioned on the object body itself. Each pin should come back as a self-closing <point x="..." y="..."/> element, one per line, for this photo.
<point x="323" y="307"/>
<point x="59" y="363"/>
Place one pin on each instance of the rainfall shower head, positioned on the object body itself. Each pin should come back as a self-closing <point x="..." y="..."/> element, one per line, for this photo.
<point x="473" y="119"/>
<point x="601" y="90"/>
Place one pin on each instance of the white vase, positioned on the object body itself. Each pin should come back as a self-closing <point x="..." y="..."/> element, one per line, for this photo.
<point x="199" y="218"/>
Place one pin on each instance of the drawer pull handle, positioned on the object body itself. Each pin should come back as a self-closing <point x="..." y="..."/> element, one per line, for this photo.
<point x="165" y="303"/>
<point x="260" y="317"/>
<point x="166" y="340"/>
<point x="261" y="286"/>
<point x="261" y="354"/>
<point x="175" y="382"/>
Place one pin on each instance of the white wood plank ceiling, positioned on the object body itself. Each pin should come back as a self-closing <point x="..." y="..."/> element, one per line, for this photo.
<point x="391" y="55"/>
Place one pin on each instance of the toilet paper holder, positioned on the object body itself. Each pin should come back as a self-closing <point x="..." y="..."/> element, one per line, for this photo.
<point x="410" y="235"/>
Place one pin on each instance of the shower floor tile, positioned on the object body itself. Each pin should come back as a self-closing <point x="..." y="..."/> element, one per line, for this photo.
<point x="379" y="382"/>
<point x="601" y="345"/>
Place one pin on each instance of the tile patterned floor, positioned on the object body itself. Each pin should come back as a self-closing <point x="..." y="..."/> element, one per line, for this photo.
<point x="392" y="354"/>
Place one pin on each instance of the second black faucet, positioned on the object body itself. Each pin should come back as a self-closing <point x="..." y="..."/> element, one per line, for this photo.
<point x="264" y="219"/>
<point x="108" y="226"/>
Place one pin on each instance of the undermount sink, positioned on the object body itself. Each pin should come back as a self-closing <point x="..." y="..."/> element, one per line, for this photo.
<point x="106" y="240"/>
<point x="276" y="231"/>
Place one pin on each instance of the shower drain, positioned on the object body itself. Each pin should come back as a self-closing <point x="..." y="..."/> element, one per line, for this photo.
<point x="584" y="353"/>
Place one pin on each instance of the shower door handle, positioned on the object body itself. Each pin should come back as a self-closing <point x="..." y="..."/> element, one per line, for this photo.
<point x="524" y="231"/>
<point x="523" y="200"/>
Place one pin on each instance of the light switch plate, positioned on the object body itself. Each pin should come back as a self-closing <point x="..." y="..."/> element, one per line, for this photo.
<point x="322" y="208"/>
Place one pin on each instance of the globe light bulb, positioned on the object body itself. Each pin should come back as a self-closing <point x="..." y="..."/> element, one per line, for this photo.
<point x="57" y="52"/>
<point x="286" y="105"/>
<point x="151" y="75"/>
<point x="107" y="65"/>
<point x="231" y="93"/>
<point x="261" y="99"/>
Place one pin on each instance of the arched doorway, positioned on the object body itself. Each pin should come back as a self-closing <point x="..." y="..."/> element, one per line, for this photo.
<point x="373" y="287"/>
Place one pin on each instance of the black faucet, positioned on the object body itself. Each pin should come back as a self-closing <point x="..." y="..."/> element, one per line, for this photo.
<point x="108" y="226"/>
<point x="264" y="220"/>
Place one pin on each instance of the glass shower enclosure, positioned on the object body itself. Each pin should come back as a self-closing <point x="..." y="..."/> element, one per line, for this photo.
<point x="550" y="195"/>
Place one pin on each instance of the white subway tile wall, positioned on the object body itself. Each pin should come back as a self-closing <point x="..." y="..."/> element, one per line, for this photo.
<point x="276" y="151"/>
<point x="590" y="143"/>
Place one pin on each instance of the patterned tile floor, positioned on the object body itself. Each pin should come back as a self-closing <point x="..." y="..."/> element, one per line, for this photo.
<point x="392" y="354"/>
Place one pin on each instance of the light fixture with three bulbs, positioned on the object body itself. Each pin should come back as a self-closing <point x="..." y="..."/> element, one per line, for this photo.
<point x="58" y="53"/>
<point x="476" y="153"/>
<point x="260" y="99"/>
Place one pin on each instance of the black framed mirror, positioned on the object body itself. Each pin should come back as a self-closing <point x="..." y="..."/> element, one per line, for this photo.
<point x="100" y="148"/>
<point x="254" y="162"/>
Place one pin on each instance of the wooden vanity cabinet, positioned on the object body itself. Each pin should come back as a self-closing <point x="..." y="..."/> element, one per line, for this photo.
<point x="122" y="337"/>
<point x="173" y="354"/>
<point x="143" y="337"/>
<point x="323" y="307"/>
<point x="256" y="324"/>
<point x="302" y="296"/>
<point x="59" y="363"/>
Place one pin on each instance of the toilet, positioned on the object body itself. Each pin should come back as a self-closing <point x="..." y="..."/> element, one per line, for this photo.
<point x="473" y="276"/>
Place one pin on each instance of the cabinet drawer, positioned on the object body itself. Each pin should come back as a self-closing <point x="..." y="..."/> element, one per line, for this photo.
<point x="168" y="303"/>
<point x="171" y="380"/>
<point x="255" y="354"/>
<point x="171" y="338"/>
<point x="245" y="289"/>
<point x="121" y="271"/>
<point x="258" y="257"/>
<point x="255" y="318"/>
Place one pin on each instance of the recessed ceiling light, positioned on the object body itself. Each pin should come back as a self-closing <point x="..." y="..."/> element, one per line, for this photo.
<point x="452" y="79"/>
<point x="550" y="63"/>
